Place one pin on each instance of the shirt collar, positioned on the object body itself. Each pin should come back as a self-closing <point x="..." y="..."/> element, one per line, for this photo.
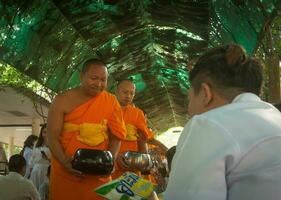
<point x="246" y="97"/>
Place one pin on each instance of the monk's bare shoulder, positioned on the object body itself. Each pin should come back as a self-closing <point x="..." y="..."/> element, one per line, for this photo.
<point x="68" y="94"/>
<point x="63" y="96"/>
<point x="62" y="100"/>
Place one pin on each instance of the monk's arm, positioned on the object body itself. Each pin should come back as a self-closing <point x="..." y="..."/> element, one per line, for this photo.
<point x="142" y="143"/>
<point x="54" y="129"/>
<point x="143" y="133"/>
<point x="153" y="141"/>
<point x="55" y="126"/>
<point x="114" y="145"/>
<point x="117" y="129"/>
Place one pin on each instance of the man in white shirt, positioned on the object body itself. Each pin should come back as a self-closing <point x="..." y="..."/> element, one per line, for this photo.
<point x="14" y="186"/>
<point x="231" y="147"/>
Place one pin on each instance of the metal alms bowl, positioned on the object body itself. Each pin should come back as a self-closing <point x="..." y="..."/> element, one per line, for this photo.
<point x="92" y="161"/>
<point x="137" y="161"/>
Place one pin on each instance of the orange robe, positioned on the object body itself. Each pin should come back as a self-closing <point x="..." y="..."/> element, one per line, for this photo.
<point x="85" y="127"/>
<point x="135" y="123"/>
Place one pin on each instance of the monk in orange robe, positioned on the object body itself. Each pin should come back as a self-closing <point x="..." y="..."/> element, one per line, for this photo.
<point x="84" y="117"/>
<point x="137" y="130"/>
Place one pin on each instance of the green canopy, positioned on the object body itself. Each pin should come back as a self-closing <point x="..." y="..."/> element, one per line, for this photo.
<point x="151" y="41"/>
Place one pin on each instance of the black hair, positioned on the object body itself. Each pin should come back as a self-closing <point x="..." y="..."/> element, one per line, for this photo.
<point x="123" y="80"/>
<point x="29" y="142"/>
<point x="228" y="70"/>
<point x="40" y="140"/>
<point x="16" y="163"/>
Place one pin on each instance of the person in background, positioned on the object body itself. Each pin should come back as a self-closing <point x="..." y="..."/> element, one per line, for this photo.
<point x="44" y="187"/>
<point x="163" y="170"/>
<point x="27" y="152"/>
<point x="230" y="148"/>
<point x="157" y="150"/>
<point x="40" y="158"/>
<point x="83" y="117"/>
<point x="136" y="125"/>
<point x="14" y="186"/>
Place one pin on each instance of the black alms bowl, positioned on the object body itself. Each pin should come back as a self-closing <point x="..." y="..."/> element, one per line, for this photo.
<point x="91" y="161"/>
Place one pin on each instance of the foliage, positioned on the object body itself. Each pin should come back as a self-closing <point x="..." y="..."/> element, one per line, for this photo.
<point x="38" y="94"/>
<point x="15" y="150"/>
<point x="10" y="76"/>
<point x="276" y="36"/>
<point x="264" y="50"/>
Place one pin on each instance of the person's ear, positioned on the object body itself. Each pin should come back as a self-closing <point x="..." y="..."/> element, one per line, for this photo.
<point x="80" y="76"/>
<point x="207" y="94"/>
<point x="22" y="172"/>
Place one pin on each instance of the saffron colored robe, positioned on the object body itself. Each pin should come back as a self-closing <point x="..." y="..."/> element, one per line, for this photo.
<point x="135" y="123"/>
<point x="86" y="127"/>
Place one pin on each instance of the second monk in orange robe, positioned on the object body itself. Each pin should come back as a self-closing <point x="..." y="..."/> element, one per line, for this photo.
<point x="84" y="117"/>
<point x="136" y="125"/>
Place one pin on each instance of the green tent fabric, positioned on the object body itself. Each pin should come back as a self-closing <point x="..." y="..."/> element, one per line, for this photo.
<point x="151" y="41"/>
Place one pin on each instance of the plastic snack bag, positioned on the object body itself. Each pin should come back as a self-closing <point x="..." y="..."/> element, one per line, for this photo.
<point x="129" y="186"/>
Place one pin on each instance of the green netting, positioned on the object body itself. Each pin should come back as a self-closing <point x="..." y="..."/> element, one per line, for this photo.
<point x="240" y="21"/>
<point x="149" y="40"/>
<point x="38" y="40"/>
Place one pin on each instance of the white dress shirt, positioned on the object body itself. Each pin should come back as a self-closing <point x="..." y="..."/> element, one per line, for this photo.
<point x="15" y="187"/>
<point x="229" y="153"/>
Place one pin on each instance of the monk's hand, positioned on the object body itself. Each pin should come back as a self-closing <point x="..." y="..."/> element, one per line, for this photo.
<point x="67" y="165"/>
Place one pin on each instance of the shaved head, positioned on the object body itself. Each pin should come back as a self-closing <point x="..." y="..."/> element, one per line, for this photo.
<point x="125" y="92"/>
<point x="92" y="62"/>
<point x="93" y="77"/>
<point x="125" y="81"/>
